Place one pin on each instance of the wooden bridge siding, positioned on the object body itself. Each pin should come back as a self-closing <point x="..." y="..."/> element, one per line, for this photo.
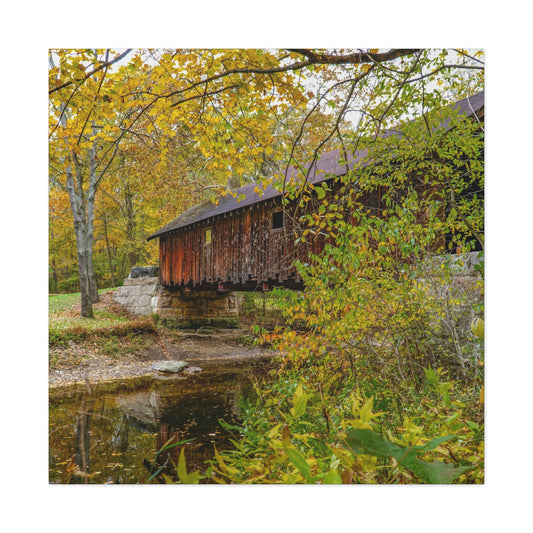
<point x="243" y="247"/>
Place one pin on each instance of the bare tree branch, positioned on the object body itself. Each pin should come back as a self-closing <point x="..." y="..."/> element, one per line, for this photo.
<point x="94" y="102"/>
<point x="469" y="56"/>
<point x="205" y="95"/>
<point x="443" y="67"/>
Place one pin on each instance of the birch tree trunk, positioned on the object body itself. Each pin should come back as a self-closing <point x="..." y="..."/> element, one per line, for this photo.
<point x="83" y="222"/>
<point x="109" y="257"/>
<point x="93" y="181"/>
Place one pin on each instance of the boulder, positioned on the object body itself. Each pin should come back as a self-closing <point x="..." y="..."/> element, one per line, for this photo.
<point x="169" y="367"/>
<point x="144" y="272"/>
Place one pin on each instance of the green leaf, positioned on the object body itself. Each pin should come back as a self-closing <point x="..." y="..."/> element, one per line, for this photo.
<point x="432" y="444"/>
<point x="228" y="426"/>
<point x="157" y="472"/>
<point x="436" y="472"/>
<point x="364" y="441"/>
<point x="169" y="446"/>
<point x="193" y="478"/>
<point x="299" y="462"/>
<point x="431" y="376"/>
<point x="184" y="477"/>
<point x="182" y="469"/>
<point x="332" y="478"/>
<point x="299" y="402"/>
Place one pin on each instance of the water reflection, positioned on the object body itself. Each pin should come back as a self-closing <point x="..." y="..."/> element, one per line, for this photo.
<point x="115" y="438"/>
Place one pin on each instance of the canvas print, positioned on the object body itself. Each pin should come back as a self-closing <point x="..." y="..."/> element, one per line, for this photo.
<point x="266" y="266"/>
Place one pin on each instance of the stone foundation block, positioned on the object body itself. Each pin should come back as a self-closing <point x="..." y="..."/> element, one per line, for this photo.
<point x="204" y="295"/>
<point x="184" y="303"/>
<point x="194" y="312"/>
<point x="195" y="323"/>
<point x="130" y="282"/>
<point x="177" y="307"/>
<point x="177" y="323"/>
<point x="225" y="322"/>
<point x="145" y="300"/>
<point x="142" y="311"/>
<point x="222" y="303"/>
<point x="169" y="312"/>
<point x="144" y="272"/>
<point x="161" y="301"/>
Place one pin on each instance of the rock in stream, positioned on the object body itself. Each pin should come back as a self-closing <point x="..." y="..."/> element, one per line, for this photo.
<point x="169" y="367"/>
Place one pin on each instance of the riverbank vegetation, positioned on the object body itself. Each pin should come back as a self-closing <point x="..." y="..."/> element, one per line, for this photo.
<point x="381" y="367"/>
<point x="359" y="399"/>
<point x="352" y="400"/>
<point x="109" y="321"/>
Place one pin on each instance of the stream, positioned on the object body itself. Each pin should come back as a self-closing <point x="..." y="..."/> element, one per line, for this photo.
<point x="105" y="438"/>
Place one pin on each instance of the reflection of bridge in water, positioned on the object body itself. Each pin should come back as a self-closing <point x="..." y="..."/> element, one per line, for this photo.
<point x="111" y="437"/>
<point x="181" y="408"/>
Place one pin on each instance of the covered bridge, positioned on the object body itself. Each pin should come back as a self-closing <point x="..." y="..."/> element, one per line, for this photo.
<point x="249" y="243"/>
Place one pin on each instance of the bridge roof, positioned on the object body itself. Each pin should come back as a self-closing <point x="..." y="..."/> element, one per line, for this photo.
<point x="328" y="166"/>
<point x="325" y="168"/>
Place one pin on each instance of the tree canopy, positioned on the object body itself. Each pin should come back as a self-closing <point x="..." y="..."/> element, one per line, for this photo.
<point x="138" y="136"/>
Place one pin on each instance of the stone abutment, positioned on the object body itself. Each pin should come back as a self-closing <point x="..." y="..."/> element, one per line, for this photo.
<point x="177" y="307"/>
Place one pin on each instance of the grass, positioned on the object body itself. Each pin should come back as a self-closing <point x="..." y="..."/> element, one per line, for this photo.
<point x="109" y="321"/>
<point x="111" y="333"/>
<point x="64" y="313"/>
<point x="101" y="319"/>
<point x="58" y="303"/>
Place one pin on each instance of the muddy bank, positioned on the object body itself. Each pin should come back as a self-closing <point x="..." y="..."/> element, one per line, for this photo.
<point x="77" y="367"/>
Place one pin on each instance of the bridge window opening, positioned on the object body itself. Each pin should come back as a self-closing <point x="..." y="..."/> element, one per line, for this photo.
<point x="208" y="236"/>
<point x="277" y="220"/>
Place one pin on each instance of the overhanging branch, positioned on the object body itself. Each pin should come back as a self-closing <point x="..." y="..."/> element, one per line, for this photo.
<point x="93" y="72"/>
<point x="312" y="58"/>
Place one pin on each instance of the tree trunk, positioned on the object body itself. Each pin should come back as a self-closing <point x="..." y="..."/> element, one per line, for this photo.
<point x="86" y="301"/>
<point x="82" y="205"/>
<point x="54" y="277"/>
<point x="130" y="227"/>
<point x="77" y="202"/>
<point x="122" y="273"/>
<point x="53" y="287"/>
<point x="108" y="252"/>
<point x="90" y="223"/>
